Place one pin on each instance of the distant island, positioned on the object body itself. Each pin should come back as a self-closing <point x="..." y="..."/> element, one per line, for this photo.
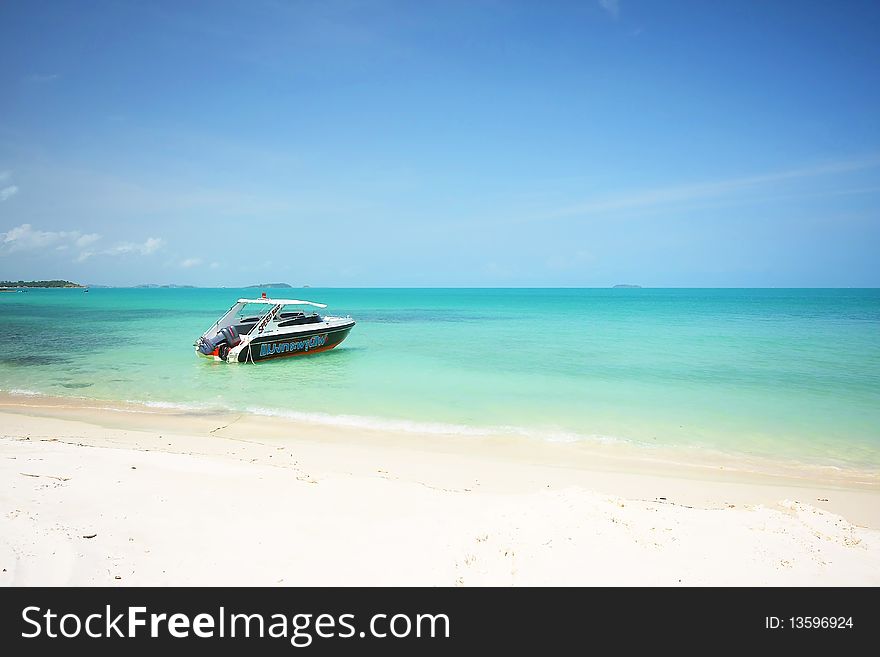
<point x="9" y="284"/>
<point x="250" y="287"/>
<point x="629" y="286"/>
<point x="153" y="286"/>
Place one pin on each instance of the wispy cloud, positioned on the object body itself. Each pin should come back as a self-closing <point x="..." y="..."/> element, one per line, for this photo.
<point x="81" y="243"/>
<point x="85" y="240"/>
<point x="8" y="191"/>
<point x="666" y="196"/>
<point x="42" y="77"/>
<point x="26" y="238"/>
<point x="190" y="262"/>
<point x="151" y="245"/>
<point x="611" y="6"/>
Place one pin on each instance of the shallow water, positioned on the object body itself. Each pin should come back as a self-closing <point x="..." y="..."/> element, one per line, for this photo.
<point x="789" y="374"/>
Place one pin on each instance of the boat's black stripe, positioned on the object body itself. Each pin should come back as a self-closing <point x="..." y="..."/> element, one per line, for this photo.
<point x="300" y="335"/>
<point x="334" y="337"/>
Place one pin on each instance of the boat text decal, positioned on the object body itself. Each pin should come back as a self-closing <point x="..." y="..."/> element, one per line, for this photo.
<point x="267" y="349"/>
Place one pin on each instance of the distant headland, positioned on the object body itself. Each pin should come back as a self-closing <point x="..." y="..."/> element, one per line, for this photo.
<point x="249" y="287"/>
<point x="628" y="286"/>
<point x="12" y="284"/>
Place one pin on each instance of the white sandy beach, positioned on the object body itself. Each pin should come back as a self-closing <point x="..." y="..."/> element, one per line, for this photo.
<point x="135" y="496"/>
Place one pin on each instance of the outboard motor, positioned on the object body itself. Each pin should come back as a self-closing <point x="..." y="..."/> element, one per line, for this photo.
<point x="230" y="334"/>
<point x="207" y="346"/>
<point x="227" y="336"/>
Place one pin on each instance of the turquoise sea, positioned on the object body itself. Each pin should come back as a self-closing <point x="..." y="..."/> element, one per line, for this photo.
<point x="785" y="374"/>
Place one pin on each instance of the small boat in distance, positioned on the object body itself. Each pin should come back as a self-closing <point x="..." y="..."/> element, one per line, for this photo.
<point x="269" y="332"/>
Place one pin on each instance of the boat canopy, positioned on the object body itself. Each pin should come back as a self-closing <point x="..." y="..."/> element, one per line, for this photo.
<point x="284" y="302"/>
<point x="228" y="319"/>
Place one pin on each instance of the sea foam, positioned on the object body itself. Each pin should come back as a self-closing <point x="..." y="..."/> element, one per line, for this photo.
<point x="431" y="428"/>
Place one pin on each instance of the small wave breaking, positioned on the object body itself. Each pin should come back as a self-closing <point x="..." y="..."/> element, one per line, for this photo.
<point x="431" y="428"/>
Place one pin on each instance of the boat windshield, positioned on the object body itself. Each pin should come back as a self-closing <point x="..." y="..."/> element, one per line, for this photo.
<point x="248" y="315"/>
<point x="260" y="315"/>
<point x="252" y="315"/>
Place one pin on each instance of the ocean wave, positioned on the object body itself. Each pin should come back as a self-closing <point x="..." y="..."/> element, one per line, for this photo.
<point x="191" y="408"/>
<point x="23" y="392"/>
<point x="351" y="421"/>
<point x="431" y="428"/>
<point x="172" y="405"/>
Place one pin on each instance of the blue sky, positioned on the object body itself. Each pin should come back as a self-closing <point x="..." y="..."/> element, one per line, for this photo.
<point x="441" y="143"/>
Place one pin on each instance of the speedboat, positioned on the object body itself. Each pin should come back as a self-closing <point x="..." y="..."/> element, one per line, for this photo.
<point x="244" y="335"/>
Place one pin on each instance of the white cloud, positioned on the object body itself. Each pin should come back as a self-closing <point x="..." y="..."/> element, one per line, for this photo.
<point x="121" y="249"/>
<point x="191" y="262"/>
<point x="25" y="238"/>
<point x="214" y="265"/>
<point x="10" y="190"/>
<point x="84" y="240"/>
<point x="611" y="6"/>
<point x="151" y="245"/>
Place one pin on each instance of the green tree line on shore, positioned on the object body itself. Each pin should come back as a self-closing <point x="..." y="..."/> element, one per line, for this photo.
<point x="39" y="284"/>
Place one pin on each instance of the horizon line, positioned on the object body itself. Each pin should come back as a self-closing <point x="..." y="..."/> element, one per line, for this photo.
<point x="618" y="286"/>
